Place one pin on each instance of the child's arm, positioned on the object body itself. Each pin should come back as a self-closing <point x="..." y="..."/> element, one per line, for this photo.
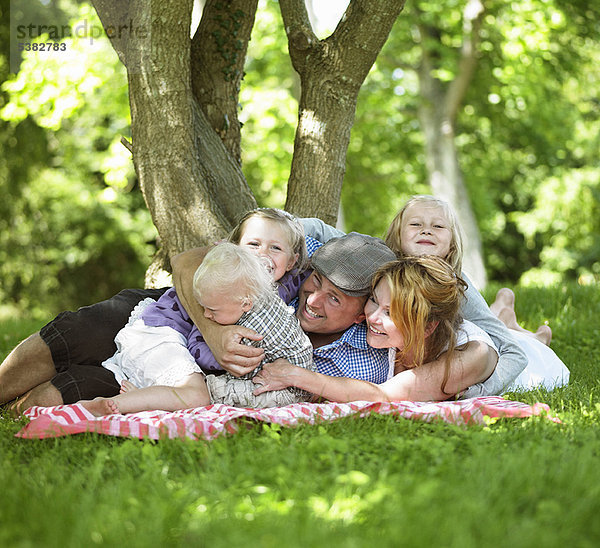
<point x="512" y="359"/>
<point x="319" y="230"/>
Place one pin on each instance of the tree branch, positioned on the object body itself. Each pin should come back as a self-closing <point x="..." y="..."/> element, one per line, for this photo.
<point x="472" y="20"/>
<point x="301" y="38"/>
<point x="218" y="55"/>
<point x="114" y="14"/>
<point x="362" y="31"/>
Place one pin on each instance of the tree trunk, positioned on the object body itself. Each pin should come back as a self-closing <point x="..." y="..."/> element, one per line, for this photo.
<point x="193" y="187"/>
<point x="331" y="73"/>
<point x="446" y="180"/>
<point x="182" y="164"/>
<point x="437" y="113"/>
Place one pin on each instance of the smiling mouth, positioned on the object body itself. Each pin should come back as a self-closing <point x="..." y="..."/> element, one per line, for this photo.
<point x="373" y="330"/>
<point x="310" y="314"/>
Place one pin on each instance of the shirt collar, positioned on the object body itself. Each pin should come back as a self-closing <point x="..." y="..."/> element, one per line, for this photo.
<point x="355" y="335"/>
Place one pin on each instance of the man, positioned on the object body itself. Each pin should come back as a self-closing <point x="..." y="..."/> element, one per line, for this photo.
<point x="62" y="363"/>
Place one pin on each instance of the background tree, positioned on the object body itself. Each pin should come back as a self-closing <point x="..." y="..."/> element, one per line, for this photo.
<point x="526" y="138"/>
<point x="521" y="121"/>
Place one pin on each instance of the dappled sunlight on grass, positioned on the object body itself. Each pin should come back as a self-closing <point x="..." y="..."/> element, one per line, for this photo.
<point x="515" y="482"/>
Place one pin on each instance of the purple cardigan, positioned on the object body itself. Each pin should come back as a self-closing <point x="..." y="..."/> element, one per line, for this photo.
<point x="168" y="311"/>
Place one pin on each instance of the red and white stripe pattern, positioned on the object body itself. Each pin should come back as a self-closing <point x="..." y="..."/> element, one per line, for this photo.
<point x="210" y="422"/>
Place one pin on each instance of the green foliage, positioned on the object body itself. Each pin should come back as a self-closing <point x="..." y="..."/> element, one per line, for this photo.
<point x="73" y="232"/>
<point x="565" y="220"/>
<point x="521" y="482"/>
<point x="531" y="126"/>
<point x="530" y="118"/>
<point x="269" y="109"/>
<point x="71" y="243"/>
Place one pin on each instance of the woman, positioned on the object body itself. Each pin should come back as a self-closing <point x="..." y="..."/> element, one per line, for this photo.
<point x="427" y="225"/>
<point x="413" y="311"/>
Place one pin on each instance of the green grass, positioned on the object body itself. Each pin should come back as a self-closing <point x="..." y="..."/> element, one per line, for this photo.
<point x="379" y="480"/>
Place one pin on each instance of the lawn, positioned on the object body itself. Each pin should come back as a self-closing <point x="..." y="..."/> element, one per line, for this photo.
<point x="356" y="482"/>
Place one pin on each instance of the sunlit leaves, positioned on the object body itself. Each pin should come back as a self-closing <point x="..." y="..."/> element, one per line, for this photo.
<point x="72" y="230"/>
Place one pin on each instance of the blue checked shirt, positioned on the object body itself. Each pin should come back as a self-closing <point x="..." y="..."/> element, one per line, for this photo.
<point x="349" y="356"/>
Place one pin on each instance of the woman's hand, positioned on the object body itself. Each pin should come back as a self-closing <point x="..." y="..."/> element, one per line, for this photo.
<point x="274" y="376"/>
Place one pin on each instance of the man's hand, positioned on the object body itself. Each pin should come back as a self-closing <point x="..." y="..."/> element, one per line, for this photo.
<point x="236" y="357"/>
<point x="224" y="341"/>
<point x="274" y="376"/>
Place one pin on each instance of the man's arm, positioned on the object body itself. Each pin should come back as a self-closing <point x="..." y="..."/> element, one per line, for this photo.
<point x="471" y="365"/>
<point x="224" y="341"/>
<point x="319" y="230"/>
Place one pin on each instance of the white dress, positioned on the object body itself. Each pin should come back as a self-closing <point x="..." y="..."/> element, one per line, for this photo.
<point x="544" y="368"/>
<point x="148" y="355"/>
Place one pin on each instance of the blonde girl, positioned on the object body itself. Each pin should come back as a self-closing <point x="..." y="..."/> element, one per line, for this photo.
<point x="429" y="226"/>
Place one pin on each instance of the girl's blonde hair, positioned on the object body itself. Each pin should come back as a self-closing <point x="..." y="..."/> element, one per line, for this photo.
<point x="454" y="258"/>
<point x="292" y="227"/>
<point x="423" y="290"/>
<point x="229" y="267"/>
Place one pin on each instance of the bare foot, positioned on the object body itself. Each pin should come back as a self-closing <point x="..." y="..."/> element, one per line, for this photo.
<point x="99" y="407"/>
<point x="127" y="386"/>
<point x="504" y="308"/>
<point x="505" y="298"/>
<point x="544" y="334"/>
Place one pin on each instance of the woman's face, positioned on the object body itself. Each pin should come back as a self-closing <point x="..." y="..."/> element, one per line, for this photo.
<point x="268" y="239"/>
<point x="425" y="230"/>
<point x="382" y="332"/>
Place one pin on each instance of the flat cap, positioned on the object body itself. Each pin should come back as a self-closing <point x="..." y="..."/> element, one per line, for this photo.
<point x="349" y="262"/>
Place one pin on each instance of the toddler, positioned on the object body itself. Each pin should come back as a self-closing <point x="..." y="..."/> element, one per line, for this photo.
<point x="161" y="346"/>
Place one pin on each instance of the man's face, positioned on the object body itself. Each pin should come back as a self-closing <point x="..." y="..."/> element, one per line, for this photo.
<point x="323" y="308"/>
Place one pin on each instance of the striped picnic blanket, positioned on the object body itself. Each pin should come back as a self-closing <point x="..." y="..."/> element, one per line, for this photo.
<point x="210" y="422"/>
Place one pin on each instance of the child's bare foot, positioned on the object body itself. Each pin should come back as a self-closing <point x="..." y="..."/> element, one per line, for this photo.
<point x="100" y="406"/>
<point x="127" y="386"/>
<point x="504" y="308"/>
<point x="544" y="334"/>
<point x="505" y="298"/>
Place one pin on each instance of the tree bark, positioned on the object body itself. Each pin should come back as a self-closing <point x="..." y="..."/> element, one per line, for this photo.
<point x="194" y="189"/>
<point x="219" y="50"/>
<point x="183" y="167"/>
<point x="331" y="73"/>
